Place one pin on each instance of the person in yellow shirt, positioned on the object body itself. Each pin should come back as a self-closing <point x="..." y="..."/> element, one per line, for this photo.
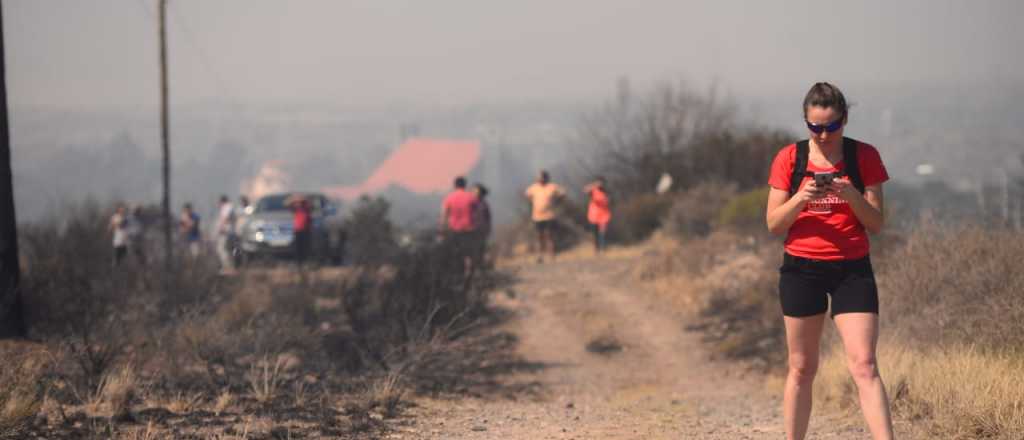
<point x="543" y="196"/>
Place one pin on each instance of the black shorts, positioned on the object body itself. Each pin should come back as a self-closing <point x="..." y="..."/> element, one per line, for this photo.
<point x="806" y="284"/>
<point x="544" y="225"/>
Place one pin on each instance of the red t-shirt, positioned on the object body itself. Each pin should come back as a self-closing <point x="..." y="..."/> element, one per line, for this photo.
<point x="827" y="229"/>
<point x="300" y="220"/>
<point x="460" y="205"/>
<point x="599" y="211"/>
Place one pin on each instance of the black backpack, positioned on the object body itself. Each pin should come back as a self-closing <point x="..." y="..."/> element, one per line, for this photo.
<point x="851" y="167"/>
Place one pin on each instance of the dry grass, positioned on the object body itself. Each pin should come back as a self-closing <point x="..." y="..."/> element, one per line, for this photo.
<point x="22" y="393"/>
<point x="265" y="378"/>
<point x="952" y="304"/>
<point x="957" y="392"/>
<point x="116" y="392"/>
<point x="223" y="402"/>
<point x="386" y="393"/>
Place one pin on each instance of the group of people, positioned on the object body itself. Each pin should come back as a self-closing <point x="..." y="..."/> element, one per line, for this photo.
<point x="226" y="230"/>
<point x="466" y="216"/>
<point x="825" y="196"/>
<point x="466" y="222"/>
<point x="127" y="227"/>
<point x="544" y="196"/>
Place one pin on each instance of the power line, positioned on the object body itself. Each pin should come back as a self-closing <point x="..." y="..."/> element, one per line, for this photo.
<point x="198" y="52"/>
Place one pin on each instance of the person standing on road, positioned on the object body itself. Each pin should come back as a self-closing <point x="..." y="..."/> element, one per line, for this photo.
<point x="825" y="196"/>
<point x="301" y="226"/>
<point x="188" y="226"/>
<point x="543" y="195"/>
<point x="482" y="222"/>
<point x="118" y="227"/>
<point x="242" y="212"/>
<point x="599" y="212"/>
<point x="457" y="222"/>
<point x="225" y="229"/>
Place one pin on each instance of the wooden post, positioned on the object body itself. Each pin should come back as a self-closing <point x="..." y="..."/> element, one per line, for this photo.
<point x="165" y="141"/>
<point x="12" y="323"/>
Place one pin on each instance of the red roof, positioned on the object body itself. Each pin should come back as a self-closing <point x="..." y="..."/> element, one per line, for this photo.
<point x="419" y="165"/>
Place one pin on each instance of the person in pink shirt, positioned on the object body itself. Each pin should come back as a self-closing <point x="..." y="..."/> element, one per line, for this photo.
<point x="457" y="222"/>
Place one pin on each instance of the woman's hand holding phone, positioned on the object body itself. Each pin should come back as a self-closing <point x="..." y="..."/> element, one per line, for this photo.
<point x="811" y="191"/>
<point x="842" y="188"/>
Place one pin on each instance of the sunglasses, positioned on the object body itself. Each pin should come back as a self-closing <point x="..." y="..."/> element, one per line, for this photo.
<point x="830" y="127"/>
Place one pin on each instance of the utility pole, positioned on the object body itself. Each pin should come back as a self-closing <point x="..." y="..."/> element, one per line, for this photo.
<point x="165" y="140"/>
<point x="12" y="323"/>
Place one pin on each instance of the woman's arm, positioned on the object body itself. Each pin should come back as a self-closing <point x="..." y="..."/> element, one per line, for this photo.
<point x="867" y="207"/>
<point x="783" y="209"/>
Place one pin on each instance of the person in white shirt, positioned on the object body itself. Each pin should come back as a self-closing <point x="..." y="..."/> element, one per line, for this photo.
<point x="225" y="230"/>
<point x="118" y="228"/>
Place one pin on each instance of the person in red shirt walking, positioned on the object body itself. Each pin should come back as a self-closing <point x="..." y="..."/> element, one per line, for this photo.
<point x="825" y="196"/>
<point x="457" y="221"/>
<point x="599" y="211"/>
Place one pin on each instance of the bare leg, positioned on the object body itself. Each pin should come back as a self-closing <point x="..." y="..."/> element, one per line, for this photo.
<point x="859" y="332"/>
<point x="803" y="338"/>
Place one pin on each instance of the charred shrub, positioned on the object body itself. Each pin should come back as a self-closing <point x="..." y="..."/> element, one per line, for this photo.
<point x="370" y="232"/>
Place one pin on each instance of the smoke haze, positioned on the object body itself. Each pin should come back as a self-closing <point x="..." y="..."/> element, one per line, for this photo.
<point x="332" y="86"/>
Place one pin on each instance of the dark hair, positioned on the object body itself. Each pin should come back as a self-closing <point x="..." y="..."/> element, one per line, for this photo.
<point x="544" y="176"/>
<point x="187" y="206"/>
<point x="482" y="190"/>
<point x="224" y="198"/>
<point x="460" y="182"/>
<point x="826" y="95"/>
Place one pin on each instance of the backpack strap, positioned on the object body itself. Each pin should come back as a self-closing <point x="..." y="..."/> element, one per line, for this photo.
<point x="799" y="166"/>
<point x="852" y="167"/>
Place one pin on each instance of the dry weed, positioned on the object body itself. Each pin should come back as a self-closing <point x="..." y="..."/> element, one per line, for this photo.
<point x="959" y="392"/>
<point x="386" y="393"/>
<point x="265" y="377"/>
<point x="223" y="402"/>
<point x="183" y="403"/>
<point x="116" y="391"/>
<point x="22" y="393"/>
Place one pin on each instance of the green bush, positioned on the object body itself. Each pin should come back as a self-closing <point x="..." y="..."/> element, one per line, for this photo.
<point x="694" y="212"/>
<point x="745" y="212"/>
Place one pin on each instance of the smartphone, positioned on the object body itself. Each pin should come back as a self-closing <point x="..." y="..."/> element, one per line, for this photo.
<point x="824" y="179"/>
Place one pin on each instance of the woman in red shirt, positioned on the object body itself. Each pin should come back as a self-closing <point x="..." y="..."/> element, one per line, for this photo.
<point x="599" y="212"/>
<point x="826" y="225"/>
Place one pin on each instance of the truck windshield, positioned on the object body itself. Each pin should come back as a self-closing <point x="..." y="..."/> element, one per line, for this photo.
<point x="272" y="203"/>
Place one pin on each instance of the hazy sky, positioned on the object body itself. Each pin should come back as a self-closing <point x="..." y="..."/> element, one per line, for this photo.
<point x="103" y="53"/>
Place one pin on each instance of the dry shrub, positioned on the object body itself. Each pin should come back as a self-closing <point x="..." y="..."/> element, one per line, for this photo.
<point x="957" y="392"/>
<point x="745" y="212"/>
<point x="960" y="278"/>
<point x="637" y="217"/>
<point x="386" y="393"/>
<point x="117" y="390"/>
<point x="731" y="290"/>
<point x="266" y="376"/>
<point x="952" y="303"/>
<point x="21" y="393"/>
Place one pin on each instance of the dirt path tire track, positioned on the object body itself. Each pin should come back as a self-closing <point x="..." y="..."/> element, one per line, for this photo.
<point x="660" y="386"/>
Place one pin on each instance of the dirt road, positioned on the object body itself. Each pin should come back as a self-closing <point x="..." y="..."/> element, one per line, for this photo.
<point x="659" y="385"/>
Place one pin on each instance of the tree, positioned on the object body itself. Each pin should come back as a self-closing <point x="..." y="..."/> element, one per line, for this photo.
<point x="632" y="140"/>
<point x="11" y="321"/>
